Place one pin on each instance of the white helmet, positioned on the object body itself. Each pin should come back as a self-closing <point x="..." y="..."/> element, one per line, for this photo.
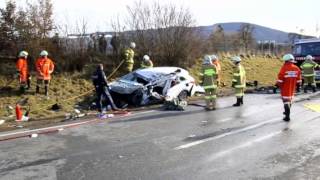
<point x="133" y="45"/>
<point x="23" y="54"/>
<point x="288" y="57"/>
<point x="214" y="57"/>
<point x="309" y="57"/>
<point x="44" y="53"/>
<point x="236" y="59"/>
<point x="146" y="58"/>
<point x="207" y="59"/>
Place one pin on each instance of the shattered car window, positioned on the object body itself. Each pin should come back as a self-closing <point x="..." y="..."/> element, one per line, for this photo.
<point x="129" y="77"/>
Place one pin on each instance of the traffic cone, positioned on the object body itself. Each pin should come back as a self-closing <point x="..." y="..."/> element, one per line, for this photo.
<point x="18" y="113"/>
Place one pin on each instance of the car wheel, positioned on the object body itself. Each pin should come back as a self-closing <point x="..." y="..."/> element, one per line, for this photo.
<point x="137" y="97"/>
<point x="183" y="96"/>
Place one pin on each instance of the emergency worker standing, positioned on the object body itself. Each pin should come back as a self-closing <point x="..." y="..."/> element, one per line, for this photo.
<point x="239" y="80"/>
<point x="45" y="68"/>
<point x="128" y="57"/>
<point x="288" y="78"/>
<point x="146" y="62"/>
<point x="100" y="83"/>
<point x="209" y="81"/>
<point x="308" y="74"/>
<point x="215" y="61"/>
<point x="23" y="72"/>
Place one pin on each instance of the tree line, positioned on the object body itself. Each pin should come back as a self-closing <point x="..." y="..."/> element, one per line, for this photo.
<point x="166" y="32"/>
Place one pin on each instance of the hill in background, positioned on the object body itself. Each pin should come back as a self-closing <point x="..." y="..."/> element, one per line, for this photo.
<point x="260" y="33"/>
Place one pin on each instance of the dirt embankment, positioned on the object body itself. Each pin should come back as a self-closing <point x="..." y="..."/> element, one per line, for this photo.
<point x="263" y="70"/>
<point x="64" y="88"/>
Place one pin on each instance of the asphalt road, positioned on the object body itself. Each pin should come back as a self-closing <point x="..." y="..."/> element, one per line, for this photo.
<point x="250" y="142"/>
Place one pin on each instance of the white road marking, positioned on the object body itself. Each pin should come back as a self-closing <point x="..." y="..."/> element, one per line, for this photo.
<point x="225" y="120"/>
<point x="44" y="129"/>
<point x="244" y="145"/>
<point x="185" y="146"/>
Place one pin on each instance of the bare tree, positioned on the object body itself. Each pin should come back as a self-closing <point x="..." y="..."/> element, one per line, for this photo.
<point x="246" y="36"/>
<point x="163" y="31"/>
<point x="7" y="27"/>
<point x="217" y="40"/>
<point x="40" y="15"/>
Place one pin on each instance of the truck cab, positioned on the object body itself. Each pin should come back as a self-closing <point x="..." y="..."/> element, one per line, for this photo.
<point x="304" y="47"/>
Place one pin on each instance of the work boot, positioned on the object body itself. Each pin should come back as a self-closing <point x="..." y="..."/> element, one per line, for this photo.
<point x="298" y="88"/>
<point x="241" y="100"/>
<point x="46" y="91"/>
<point x="305" y="89"/>
<point x="28" y="84"/>
<point x="314" y="89"/>
<point x="207" y="108"/>
<point x="213" y="105"/>
<point x="238" y="103"/>
<point x="286" y="112"/>
<point x="22" y="89"/>
<point x="37" y="90"/>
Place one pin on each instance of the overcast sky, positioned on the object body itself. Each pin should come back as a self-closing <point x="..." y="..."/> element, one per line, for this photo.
<point x="286" y="15"/>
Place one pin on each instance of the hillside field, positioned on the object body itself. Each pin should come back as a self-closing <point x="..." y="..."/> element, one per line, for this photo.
<point x="65" y="87"/>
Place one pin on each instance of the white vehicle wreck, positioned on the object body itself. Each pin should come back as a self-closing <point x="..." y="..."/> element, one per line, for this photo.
<point x="154" y="85"/>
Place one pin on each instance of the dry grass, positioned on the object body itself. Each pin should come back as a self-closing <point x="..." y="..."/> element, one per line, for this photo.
<point x="262" y="69"/>
<point x="61" y="88"/>
<point x="65" y="86"/>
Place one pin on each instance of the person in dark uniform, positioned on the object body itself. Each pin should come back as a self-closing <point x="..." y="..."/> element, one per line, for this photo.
<point x="102" y="89"/>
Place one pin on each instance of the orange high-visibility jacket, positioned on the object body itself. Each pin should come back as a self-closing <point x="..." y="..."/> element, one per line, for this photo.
<point x="22" y="67"/>
<point x="218" y="66"/>
<point x="39" y="64"/>
<point x="44" y="68"/>
<point x="288" y="78"/>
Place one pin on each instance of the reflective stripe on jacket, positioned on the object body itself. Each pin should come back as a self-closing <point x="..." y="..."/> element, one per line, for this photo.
<point x="147" y="64"/>
<point x="129" y="55"/>
<point x="44" y="68"/>
<point x="239" y="76"/>
<point x="288" y="78"/>
<point x="308" y="68"/>
<point x="209" y="73"/>
<point x="22" y="67"/>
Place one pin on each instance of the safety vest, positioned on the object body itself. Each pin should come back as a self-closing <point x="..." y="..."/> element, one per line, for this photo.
<point x="308" y="68"/>
<point x="239" y="76"/>
<point x="288" y="78"/>
<point x="44" y="68"/>
<point x="217" y="63"/>
<point x="148" y="64"/>
<point x="22" y="67"/>
<point x="129" y="54"/>
<point x="209" y="76"/>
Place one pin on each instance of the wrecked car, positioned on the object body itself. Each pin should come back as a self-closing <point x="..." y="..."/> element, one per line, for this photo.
<point x="154" y="85"/>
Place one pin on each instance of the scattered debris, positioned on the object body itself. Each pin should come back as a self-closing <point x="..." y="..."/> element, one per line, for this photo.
<point x="105" y="115"/>
<point x="74" y="115"/>
<point x="55" y="107"/>
<point x="34" y="135"/>
<point x="192" y="136"/>
<point x="2" y="122"/>
<point x="77" y="111"/>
